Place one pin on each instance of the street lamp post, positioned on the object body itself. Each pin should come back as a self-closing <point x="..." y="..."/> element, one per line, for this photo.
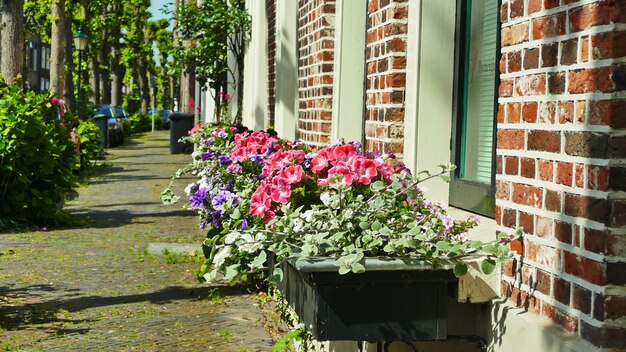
<point x="80" y="43"/>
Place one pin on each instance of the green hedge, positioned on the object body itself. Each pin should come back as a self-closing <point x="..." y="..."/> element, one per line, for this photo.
<point x="90" y="145"/>
<point x="37" y="157"/>
<point x="143" y="123"/>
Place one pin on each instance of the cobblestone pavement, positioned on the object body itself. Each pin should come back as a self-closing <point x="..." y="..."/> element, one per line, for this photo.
<point x="94" y="287"/>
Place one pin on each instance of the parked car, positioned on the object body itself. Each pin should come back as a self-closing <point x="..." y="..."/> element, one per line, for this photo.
<point x="114" y="122"/>
<point x="121" y="112"/>
<point x="165" y="117"/>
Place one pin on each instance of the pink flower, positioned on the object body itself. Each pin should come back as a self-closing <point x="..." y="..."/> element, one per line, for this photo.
<point x="280" y="190"/>
<point x="260" y="202"/>
<point x="320" y="161"/>
<point x="343" y="152"/>
<point x="348" y="176"/>
<point x="364" y="168"/>
<point x="195" y="129"/>
<point x="218" y="132"/>
<point x="292" y="174"/>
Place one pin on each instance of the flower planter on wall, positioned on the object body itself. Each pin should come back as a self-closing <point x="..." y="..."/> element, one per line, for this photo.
<point x="393" y="300"/>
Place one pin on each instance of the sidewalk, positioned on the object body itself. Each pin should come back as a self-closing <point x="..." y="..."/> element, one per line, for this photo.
<point x="94" y="287"/>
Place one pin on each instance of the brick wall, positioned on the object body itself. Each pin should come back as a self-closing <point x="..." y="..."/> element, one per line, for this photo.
<point x="560" y="161"/>
<point x="386" y="74"/>
<point x="316" y="42"/>
<point x="270" y="8"/>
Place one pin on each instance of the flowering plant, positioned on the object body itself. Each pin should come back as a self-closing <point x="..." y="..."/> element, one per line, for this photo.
<point x="263" y="198"/>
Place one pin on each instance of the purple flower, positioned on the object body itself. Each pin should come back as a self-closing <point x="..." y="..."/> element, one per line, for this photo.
<point x="357" y="145"/>
<point x="206" y="156"/>
<point x="235" y="168"/>
<point x="270" y="149"/>
<point x="197" y="199"/>
<point x="257" y="159"/>
<point x="217" y="218"/>
<point x="307" y="161"/>
<point x="244" y="224"/>
<point x="222" y="197"/>
<point x="372" y="155"/>
<point x="225" y="160"/>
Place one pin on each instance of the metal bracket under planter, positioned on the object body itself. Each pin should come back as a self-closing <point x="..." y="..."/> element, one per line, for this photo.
<point x="393" y="300"/>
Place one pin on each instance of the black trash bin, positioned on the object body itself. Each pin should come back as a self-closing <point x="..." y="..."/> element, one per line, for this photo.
<point x="180" y="124"/>
<point x="102" y="121"/>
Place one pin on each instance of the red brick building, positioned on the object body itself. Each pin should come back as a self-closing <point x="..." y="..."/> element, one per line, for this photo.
<point x="527" y="97"/>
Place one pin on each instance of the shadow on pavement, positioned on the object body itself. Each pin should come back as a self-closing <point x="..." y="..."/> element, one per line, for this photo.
<point x="38" y="313"/>
<point x="102" y="219"/>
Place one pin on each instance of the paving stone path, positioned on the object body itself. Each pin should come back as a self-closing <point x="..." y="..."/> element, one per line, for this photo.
<point x="95" y="287"/>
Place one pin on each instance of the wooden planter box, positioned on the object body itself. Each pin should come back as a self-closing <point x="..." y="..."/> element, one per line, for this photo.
<point x="393" y="300"/>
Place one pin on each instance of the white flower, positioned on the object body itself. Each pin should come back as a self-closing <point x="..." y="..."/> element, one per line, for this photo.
<point x="249" y="244"/>
<point x="231" y="237"/>
<point x="188" y="188"/>
<point x="221" y="256"/>
<point x="325" y="198"/>
<point x="298" y="225"/>
<point x="307" y="215"/>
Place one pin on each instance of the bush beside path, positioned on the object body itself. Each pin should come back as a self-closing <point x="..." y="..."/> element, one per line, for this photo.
<point x="95" y="287"/>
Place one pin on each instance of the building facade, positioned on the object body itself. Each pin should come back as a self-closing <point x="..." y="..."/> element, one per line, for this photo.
<point x="37" y="64"/>
<point x="526" y="97"/>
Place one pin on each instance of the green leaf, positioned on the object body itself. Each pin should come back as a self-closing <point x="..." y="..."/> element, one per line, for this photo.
<point x="236" y="214"/>
<point x="488" y="266"/>
<point x="376" y="226"/>
<point x="259" y="260"/>
<point x="442" y="246"/>
<point x="276" y="277"/>
<point x="358" y="268"/>
<point x="377" y="186"/>
<point x="231" y="272"/>
<point x="343" y="270"/>
<point x="475" y="244"/>
<point x="490" y="248"/>
<point x="460" y="269"/>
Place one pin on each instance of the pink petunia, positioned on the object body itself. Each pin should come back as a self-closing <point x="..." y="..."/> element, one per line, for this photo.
<point x="280" y="190"/>
<point x="260" y="202"/>
<point x="195" y="129"/>
<point x="349" y="176"/>
<point x="343" y="152"/>
<point x="320" y="161"/>
<point x="292" y="174"/>
<point x="364" y="168"/>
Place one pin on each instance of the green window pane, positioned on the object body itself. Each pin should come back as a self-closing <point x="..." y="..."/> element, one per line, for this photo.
<point x="481" y="36"/>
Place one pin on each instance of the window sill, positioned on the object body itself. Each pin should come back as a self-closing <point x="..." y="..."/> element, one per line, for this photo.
<point x="486" y="229"/>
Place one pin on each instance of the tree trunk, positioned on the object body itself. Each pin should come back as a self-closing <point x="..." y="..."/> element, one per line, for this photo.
<point x="103" y="59"/>
<point x="240" y="67"/>
<point x="13" y="44"/>
<point x="69" y="96"/>
<point x="57" y="50"/>
<point x="144" y="85"/>
<point x="94" y="80"/>
<point x="116" y="69"/>
<point x="172" y="92"/>
<point x="187" y="88"/>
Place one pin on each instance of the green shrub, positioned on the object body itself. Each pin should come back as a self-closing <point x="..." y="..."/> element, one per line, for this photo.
<point x="143" y="123"/>
<point x="37" y="158"/>
<point x="90" y="145"/>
